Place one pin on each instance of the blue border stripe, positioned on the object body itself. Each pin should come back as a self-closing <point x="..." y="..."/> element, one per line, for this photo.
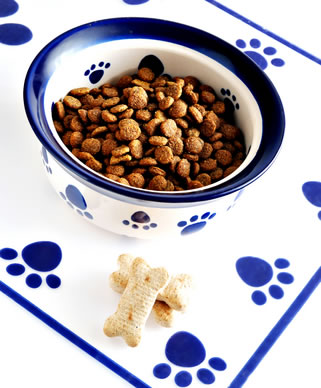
<point x="266" y="32"/>
<point x="277" y="330"/>
<point x="72" y="337"/>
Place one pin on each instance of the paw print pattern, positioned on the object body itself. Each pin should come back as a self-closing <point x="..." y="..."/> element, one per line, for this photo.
<point x="76" y="201"/>
<point x="135" y="2"/>
<point x="256" y="272"/>
<point x="312" y="192"/>
<point x="186" y="350"/>
<point x="12" y="34"/>
<point x="95" y="73"/>
<point x="142" y="218"/>
<point x="42" y="256"/>
<point x="45" y="160"/>
<point x="195" y="223"/>
<point x="259" y="58"/>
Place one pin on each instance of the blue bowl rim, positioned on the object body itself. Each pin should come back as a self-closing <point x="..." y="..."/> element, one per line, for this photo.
<point x="241" y="65"/>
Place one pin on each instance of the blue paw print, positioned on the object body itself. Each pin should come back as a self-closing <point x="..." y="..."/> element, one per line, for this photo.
<point x="185" y="350"/>
<point x="75" y="200"/>
<point x="135" y="2"/>
<point x="95" y="74"/>
<point x="312" y="192"/>
<point x="140" y="217"/>
<point x="42" y="256"/>
<point x="45" y="160"/>
<point x="257" y="57"/>
<point x="12" y="34"/>
<point x="230" y="105"/>
<point x="195" y="224"/>
<point x="256" y="272"/>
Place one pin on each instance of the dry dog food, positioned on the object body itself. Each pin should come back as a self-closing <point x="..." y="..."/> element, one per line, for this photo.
<point x="173" y="297"/>
<point x="158" y="133"/>
<point x="136" y="302"/>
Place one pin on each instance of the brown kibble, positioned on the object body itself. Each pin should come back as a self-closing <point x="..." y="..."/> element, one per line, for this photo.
<point x="76" y="139"/>
<point x="158" y="183"/>
<point x="84" y="155"/>
<point x="59" y="127"/>
<point x="195" y="185"/>
<point x="108" y="146"/>
<point x="138" y="98"/>
<point x="173" y="90"/>
<point x="124" y="81"/>
<point x="213" y="117"/>
<point x="118" y="170"/>
<point x="206" y="151"/>
<point x="123" y="180"/>
<point x="94" y="164"/>
<point x="99" y="130"/>
<point x="191" y="157"/>
<point x="224" y="157"/>
<point x="109" y="91"/>
<point x="143" y="115"/>
<point x="207" y="97"/>
<point x="183" y="168"/>
<point x="136" y="179"/>
<point x="229" y="171"/>
<point x="79" y="91"/>
<point x="146" y="74"/>
<point x="176" y="144"/>
<point x="107" y="116"/>
<point x="218" y="107"/>
<point x="217" y="145"/>
<point x="217" y="174"/>
<point x="195" y="168"/>
<point x="190" y="79"/>
<point x="208" y="164"/>
<point x="148" y="161"/>
<point x="158" y="140"/>
<point x="118" y="108"/>
<point x="127" y="114"/>
<point x="204" y="178"/>
<point x="166" y="102"/>
<point x="60" y="110"/>
<point x="208" y="128"/>
<point x="164" y="154"/>
<point x="157" y="171"/>
<point x="168" y="128"/>
<point x="194" y="144"/>
<point x="94" y="115"/>
<point x="142" y="84"/>
<point x="136" y="149"/>
<point x="230" y="132"/>
<point x="72" y="102"/>
<point x="129" y="129"/>
<point x="76" y="124"/>
<point x="119" y="159"/>
<point x="196" y="114"/>
<point x="92" y="146"/>
<point x="109" y="102"/>
<point x="151" y="126"/>
<point x="83" y="115"/>
<point x="178" y="109"/>
<point x="159" y="114"/>
<point x="181" y="123"/>
<point x="121" y="150"/>
<point x="66" y="138"/>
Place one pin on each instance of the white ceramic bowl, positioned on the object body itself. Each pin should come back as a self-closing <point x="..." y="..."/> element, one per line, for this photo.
<point x="101" y="52"/>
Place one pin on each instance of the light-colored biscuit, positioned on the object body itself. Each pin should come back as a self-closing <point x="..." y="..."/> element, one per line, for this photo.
<point x="136" y="302"/>
<point x="163" y="314"/>
<point x="175" y="294"/>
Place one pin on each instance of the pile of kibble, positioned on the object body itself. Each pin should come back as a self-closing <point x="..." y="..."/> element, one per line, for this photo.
<point x="158" y="133"/>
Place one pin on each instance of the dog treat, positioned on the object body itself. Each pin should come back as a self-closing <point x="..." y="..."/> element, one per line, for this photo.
<point x="136" y="302"/>
<point x="175" y="124"/>
<point x="163" y="314"/>
<point x="175" y="293"/>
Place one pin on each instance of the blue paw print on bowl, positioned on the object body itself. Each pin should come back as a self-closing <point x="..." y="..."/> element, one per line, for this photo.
<point x="312" y="192"/>
<point x="185" y="350"/>
<point x="135" y="2"/>
<point x="12" y="34"/>
<point x="256" y="272"/>
<point x="41" y="256"/>
<point x="76" y="200"/>
<point x="96" y="72"/>
<point x="140" y="219"/>
<point x="260" y="58"/>
<point x="195" y="223"/>
<point x="45" y="160"/>
<point x="230" y="101"/>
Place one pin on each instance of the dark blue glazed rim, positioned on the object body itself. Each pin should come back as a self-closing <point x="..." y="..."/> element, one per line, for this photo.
<point x="227" y="55"/>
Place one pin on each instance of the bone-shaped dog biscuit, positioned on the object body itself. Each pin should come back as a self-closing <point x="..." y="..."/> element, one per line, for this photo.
<point x="175" y="294"/>
<point x="136" y="302"/>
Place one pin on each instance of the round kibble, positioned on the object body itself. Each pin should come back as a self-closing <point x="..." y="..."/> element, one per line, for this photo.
<point x="230" y="132"/>
<point x="158" y="183"/>
<point x="129" y="129"/>
<point x="136" y="179"/>
<point x="94" y="164"/>
<point x="229" y="171"/>
<point x="72" y="102"/>
<point x="224" y="157"/>
<point x="76" y="139"/>
<point x="158" y="140"/>
<point x="92" y="146"/>
<point x="60" y="110"/>
<point x="206" y="151"/>
<point x="208" y="128"/>
<point x="178" y="109"/>
<point x="217" y="174"/>
<point x="108" y="146"/>
<point x="164" y="154"/>
<point x="168" y="128"/>
<point x="146" y="74"/>
<point x="118" y="170"/>
<point x="136" y="148"/>
<point x="157" y="171"/>
<point x="208" y="164"/>
<point x="183" y="168"/>
<point x="204" y="178"/>
<point x="194" y="144"/>
<point x="138" y="98"/>
<point x="176" y="144"/>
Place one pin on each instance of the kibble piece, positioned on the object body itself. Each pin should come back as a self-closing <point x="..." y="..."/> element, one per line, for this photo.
<point x="194" y="144"/>
<point x="83" y="115"/>
<point x="118" y="159"/>
<point x="151" y="126"/>
<point x="121" y="150"/>
<point x="157" y="171"/>
<point x="217" y="145"/>
<point x="60" y="110"/>
<point x="108" y="146"/>
<point x="208" y="164"/>
<point x="109" y="91"/>
<point x="168" y="128"/>
<point x="176" y="144"/>
<point x="143" y="114"/>
<point x="92" y="146"/>
<point x="218" y="107"/>
<point x="193" y="81"/>
<point x="136" y="149"/>
<point x="158" y="183"/>
<point x="178" y="109"/>
<point x="136" y="180"/>
<point x="72" y="102"/>
<point x="230" y="132"/>
<point x="158" y="140"/>
<point x="164" y="154"/>
<point x="129" y="129"/>
<point x="59" y="127"/>
<point x="84" y="155"/>
<point x="207" y="97"/>
<point x="94" y="164"/>
<point x="124" y="81"/>
<point x="195" y="185"/>
<point x="118" y="170"/>
<point x="76" y="139"/>
<point x="138" y="98"/>
<point x="173" y="90"/>
<point x="127" y="114"/>
<point x="107" y="116"/>
<point x="166" y="102"/>
<point x="181" y="123"/>
<point x="224" y="157"/>
<point x="79" y="91"/>
<point x="76" y="124"/>
<point x="118" y="108"/>
<point x="208" y="128"/>
<point x="229" y="171"/>
<point x="66" y="138"/>
<point x="145" y="85"/>
<point x="94" y="115"/>
<point x="148" y="161"/>
<point x="99" y="130"/>
<point x="206" y="151"/>
<point x="146" y="74"/>
<point x="109" y="102"/>
<point x="195" y="169"/>
<point x="217" y="174"/>
<point x="204" y="178"/>
<point x="196" y="114"/>
<point x="183" y="168"/>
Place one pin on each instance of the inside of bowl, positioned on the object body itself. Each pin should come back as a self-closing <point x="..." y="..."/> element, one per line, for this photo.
<point x="107" y="62"/>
